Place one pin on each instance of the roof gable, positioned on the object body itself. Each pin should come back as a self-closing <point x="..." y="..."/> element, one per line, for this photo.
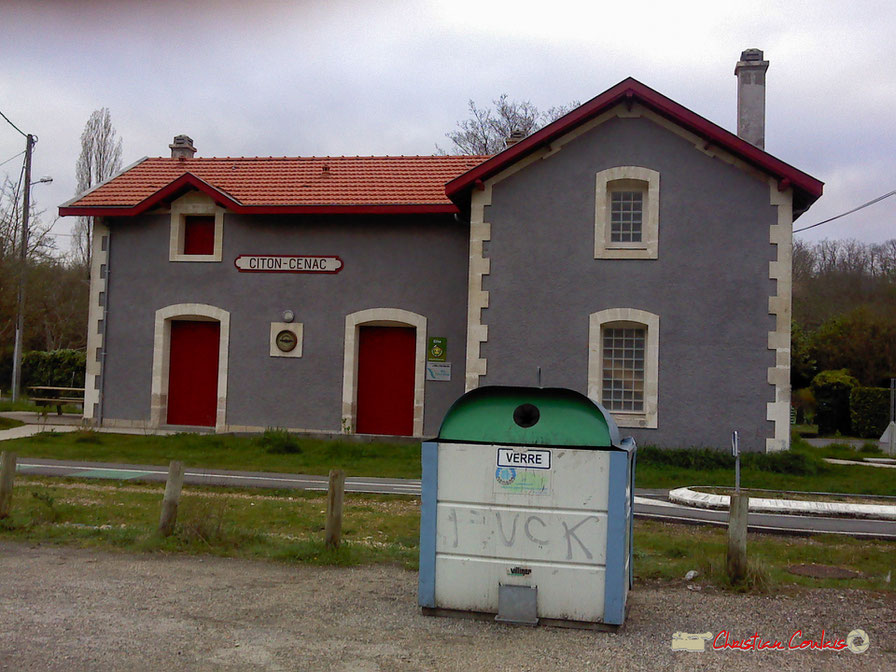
<point x="806" y="188"/>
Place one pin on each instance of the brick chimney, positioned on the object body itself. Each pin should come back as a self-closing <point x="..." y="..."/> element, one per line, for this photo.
<point x="750" y="73"/>
<point x="182" y="147"/>
<point x="515" y="137"/>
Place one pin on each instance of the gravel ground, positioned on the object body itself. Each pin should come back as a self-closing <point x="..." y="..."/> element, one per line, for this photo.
<point x="70" y="609"/>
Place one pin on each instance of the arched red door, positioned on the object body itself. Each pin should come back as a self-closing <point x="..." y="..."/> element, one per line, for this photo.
<point x="193" y="373"/>
<point x="385" y="402"/>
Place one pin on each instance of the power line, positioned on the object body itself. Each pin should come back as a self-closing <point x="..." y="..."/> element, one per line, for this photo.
<point x="13" y="125"/>
<point x="848" y="212"/>
<point x="12" y="157"/>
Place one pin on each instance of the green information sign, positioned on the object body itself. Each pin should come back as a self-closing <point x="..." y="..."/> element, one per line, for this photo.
<point x="437" y="350"/>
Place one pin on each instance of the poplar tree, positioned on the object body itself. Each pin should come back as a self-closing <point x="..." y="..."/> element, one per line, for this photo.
<point x="100" y="159"/>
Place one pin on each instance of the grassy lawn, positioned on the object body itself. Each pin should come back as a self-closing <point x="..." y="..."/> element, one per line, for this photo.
<point x="288" y="526"/>
<point x="222" y="451"/>
<point x="850" y="479"/>
<point x="283" y="525"/>
<point x="801" y="469"/>
<point x="667" y="551"/>
<point x="9" y="423"/>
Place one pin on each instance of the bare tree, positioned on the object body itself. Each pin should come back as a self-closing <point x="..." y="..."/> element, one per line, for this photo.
<point x="40" y="248"/>
<point x="486" y="130"/>
<point x="100" y="159"/>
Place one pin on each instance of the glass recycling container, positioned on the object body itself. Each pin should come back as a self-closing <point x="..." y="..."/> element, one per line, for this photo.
<point x="526" y="510"/>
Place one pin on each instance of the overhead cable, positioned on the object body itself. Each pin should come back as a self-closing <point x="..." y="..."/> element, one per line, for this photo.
<point x="25" y="135"/>
<point x="848" y="212"/>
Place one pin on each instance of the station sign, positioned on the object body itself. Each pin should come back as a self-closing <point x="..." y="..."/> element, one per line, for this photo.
<point x="287" y="263"/>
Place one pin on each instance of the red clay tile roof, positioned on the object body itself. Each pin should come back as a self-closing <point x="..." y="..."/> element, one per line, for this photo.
<point x="298" y="184"/>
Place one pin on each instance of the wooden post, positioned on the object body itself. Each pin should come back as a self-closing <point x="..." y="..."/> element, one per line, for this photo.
<point x="7" y="475"/>
<point x="335" y="493"/>
<point x="172" y="497"/>
<point x="737" y="537"/>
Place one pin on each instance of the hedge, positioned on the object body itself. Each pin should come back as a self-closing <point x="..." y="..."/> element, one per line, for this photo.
<point x="59" y="368"/>
<point x="792" y="462"/>
<point x="869" y="411"/>
<point x="831" y="390"/>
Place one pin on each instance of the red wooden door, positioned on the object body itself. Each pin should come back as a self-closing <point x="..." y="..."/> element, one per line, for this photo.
<point x="193" y="373"/>
<point x="386" y="380"/>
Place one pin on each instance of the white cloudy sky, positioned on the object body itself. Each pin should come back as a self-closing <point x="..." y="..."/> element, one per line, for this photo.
<point x="392" y="76"/>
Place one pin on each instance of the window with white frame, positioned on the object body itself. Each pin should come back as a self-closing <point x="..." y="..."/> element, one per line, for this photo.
<point x="197" y="227"/>
<point x="622" y="383"/>
<point x="623" y="359"/>
<point x="626" y="217"/>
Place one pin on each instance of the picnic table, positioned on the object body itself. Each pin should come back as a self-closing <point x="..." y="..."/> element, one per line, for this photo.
<point x="44" y="395"/>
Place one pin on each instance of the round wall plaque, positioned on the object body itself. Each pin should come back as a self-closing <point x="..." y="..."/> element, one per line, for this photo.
<point x="286" y="341"/>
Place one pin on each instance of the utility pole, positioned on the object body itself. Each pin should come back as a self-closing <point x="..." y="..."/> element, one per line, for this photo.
<point x="23" y="257"/>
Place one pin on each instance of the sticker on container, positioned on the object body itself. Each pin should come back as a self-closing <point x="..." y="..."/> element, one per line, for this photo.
<point x="522" y="481"/>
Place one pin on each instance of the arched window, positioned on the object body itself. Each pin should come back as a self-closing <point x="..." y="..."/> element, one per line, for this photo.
<point x="626" y="213"/>
<point x="623" y="359"/>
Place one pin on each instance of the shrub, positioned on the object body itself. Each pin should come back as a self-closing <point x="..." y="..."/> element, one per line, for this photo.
<point x="59" y="368"/>
<point x="831" y="389"/>
<point x="804" y="402"/>
<point x="786" y="462"/>
<point x="869" y="411"/>
<point x="278" y="441"/>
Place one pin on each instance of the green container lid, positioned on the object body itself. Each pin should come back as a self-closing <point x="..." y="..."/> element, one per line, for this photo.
<point x="529" y="416"/>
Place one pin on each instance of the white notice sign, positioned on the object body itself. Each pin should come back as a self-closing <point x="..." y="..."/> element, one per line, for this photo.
<point x="438" y="370"/>
<point x="533" y="458"/>
<point x="286" y="263"/>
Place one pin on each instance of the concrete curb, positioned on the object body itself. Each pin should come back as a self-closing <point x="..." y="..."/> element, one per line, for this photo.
<point x="703" y="500"/>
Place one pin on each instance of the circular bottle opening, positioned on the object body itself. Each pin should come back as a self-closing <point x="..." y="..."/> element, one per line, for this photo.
<point x="526" y="415"/>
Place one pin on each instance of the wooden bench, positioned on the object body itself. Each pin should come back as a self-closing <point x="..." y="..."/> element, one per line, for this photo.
<point x="43" y="395"/>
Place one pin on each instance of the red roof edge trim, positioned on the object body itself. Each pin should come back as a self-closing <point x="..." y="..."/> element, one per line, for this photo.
<point x="180" y="184"/>
<point x="185" y="181"/>
<point x="626" y="90"/>
<point x="409" y="209"/>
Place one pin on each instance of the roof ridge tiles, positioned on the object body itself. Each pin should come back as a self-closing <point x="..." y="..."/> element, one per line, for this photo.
<point x="380" y="157"/>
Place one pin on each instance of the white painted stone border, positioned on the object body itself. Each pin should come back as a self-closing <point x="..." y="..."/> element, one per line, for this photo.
<point x="704" y="500"/>
<point x="477" y="298"/>
<point x="648" y="248"/>
<point x="381" y="317"/>
<point x="99" y="267"/>
<point x="779" y="305"/>
<point x="194" y="203"/>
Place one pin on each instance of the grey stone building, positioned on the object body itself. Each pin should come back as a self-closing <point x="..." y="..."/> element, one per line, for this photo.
<point x="631" y="250"/>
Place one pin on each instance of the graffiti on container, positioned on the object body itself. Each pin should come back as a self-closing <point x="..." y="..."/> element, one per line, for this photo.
<point x="561" y="535"/>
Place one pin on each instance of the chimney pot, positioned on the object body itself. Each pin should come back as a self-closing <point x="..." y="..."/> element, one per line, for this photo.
<point x="750" y="72"/>
<point x="515" y="137"/>
<point x="182" y="147"/>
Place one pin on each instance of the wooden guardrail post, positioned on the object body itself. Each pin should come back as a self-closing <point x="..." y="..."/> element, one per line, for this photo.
<point x="172" y="497"/>
<point x="737" y="536"/>
<point x="335" y="492"/>
<point x="7" y="476"/>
